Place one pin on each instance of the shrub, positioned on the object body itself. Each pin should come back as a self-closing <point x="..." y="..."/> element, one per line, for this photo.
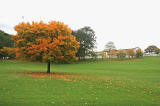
<point x="7" y="52"/>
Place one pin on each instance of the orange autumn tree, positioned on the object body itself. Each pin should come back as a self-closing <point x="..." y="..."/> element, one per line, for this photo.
<point x="130" y="53"/>
<point x="112" y="53"/>
<point x="52" y="42"/>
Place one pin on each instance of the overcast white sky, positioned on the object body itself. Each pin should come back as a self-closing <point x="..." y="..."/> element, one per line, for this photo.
<point x="128" y="23"/>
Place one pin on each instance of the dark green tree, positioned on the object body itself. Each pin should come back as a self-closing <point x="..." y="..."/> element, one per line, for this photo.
<point x="5" y="40"/>
<point x="86" y="37"/>
<point x="157" y="51"/>
<point x="151" y="48"/>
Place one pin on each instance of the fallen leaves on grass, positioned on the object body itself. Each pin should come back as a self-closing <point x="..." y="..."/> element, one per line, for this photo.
<point x="52" y="102"/>
<point x="59" y="76"/>
<point x="63" y="102"/>
<point x="45" y="76"/>
<point x="158" y="101"/>
<point x="85" y="103"/>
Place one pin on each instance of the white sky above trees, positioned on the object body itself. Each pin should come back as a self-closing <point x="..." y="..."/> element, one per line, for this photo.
<point x="128" y="23"/>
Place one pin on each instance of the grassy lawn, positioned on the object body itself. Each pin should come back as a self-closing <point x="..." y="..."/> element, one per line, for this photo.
<point x="126" y="83"/>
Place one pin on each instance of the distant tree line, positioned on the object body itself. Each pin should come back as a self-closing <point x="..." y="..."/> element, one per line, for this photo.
<point x="111" y="51"/>
<point x="122" y="54"/>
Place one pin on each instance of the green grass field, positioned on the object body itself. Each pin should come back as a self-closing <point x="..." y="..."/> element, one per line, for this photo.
<point x="105" y="83"/>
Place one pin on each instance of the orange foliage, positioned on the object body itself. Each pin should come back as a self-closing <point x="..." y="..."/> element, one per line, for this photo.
<point x="112" y="53"/>
<point x="130" y="52"/>
<point x="121" y="54"/>
<point x="46" y="42"/>
<point x="120" y="51"/>
<point x="139" y="50"/>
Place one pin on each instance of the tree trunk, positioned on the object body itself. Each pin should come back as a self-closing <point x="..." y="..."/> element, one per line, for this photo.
<point x="48" y="67"/>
